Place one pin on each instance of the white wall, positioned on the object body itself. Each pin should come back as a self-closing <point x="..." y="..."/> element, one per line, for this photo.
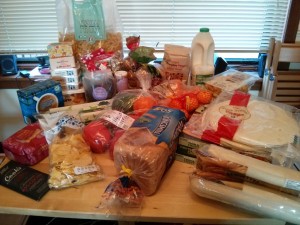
<point x="11" y="119"/>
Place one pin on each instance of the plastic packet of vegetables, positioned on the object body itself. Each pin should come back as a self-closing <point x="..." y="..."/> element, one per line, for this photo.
<point x="102" y="133"/>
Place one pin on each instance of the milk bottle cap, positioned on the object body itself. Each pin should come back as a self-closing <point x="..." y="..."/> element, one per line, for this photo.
<point x="204" y="29"/>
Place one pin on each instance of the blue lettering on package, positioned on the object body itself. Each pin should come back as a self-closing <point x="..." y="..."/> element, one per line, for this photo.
<point x="26" y="97"/>
<point x="164" y="123"/>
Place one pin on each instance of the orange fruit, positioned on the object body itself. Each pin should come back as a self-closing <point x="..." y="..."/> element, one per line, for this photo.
<point x="191" y="103"/>
<point x="176" y="104"/>
<point x="144" y="103"/>
<point x="204" y="96"/>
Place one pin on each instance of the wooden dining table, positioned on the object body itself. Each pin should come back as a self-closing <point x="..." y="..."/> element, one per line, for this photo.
<point x="173" y="201"/>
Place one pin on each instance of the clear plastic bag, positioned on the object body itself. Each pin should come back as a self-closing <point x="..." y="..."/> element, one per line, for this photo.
<point x="148" y="148"/>
<point x="229" y="81"/>
<point x="70" y="158"/>
<point x="249" y="124"/>
<point x="102" y="133"/>
<point x="226" y="176"/>
<point x="104" y="10"/>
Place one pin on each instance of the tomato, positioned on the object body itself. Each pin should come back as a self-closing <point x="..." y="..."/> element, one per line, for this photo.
<point x="176" y="104"/>
<point x="97" y="136"/>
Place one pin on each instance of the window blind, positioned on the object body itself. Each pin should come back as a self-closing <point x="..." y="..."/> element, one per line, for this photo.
<point x="236" y="25"/>
<point x="27" y="25"/>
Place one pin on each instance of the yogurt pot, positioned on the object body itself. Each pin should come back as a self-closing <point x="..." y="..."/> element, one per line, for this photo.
<point x="99" y="85"/>
<point x="122" y="80"/>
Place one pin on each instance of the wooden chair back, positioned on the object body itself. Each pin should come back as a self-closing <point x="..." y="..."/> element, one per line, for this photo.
<point x="283" y="85"/>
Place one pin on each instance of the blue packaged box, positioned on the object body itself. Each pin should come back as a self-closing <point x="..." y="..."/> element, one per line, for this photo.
<point x="39" y="98"/>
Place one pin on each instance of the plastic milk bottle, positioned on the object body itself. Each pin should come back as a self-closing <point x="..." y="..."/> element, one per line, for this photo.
<point x="202" y="57"/>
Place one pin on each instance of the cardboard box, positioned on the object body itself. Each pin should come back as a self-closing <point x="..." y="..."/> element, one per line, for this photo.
<point x="74" y="97"/>
<point x="60" y="50"/>
<point x="64" y="62"/>
<point x="185" y="159"/>
<point x="67" y="72"/>
<point x="191" y="142"/>
<point x="39" y="98"/>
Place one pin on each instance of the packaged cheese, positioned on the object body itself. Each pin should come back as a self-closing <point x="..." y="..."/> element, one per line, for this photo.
<point x="230" y="80"/>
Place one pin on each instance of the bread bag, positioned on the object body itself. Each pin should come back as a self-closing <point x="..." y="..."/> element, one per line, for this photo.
<point x="147" y="149"/>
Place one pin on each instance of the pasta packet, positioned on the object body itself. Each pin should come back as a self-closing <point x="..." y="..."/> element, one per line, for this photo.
<point x="90" y="25"/>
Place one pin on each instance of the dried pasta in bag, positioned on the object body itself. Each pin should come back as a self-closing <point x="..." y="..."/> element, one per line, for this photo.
<point x="99" y="26"/>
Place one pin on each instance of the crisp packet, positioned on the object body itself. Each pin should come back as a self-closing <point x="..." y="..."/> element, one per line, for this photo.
<point x="70" y="158"/>
<point x="71" y="161"/>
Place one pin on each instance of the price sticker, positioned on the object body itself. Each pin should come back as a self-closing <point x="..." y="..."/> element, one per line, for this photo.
<point x="85" y="169"/>
<point x="119" y="119"/>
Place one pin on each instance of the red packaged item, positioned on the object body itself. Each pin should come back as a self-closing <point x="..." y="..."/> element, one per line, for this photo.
<point x="27" y="146"/>
<point x="102" y="133"/>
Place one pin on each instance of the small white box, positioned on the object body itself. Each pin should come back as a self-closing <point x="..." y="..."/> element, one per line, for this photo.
<point x="63" y="62"/>
<point x="71" y="86"/>
<point x="67" y="79"/>
<point x="66" y="72"/>
<point x="74" y="97"/>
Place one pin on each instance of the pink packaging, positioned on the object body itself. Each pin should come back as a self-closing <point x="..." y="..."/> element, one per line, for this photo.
<point x="27" y="146"/>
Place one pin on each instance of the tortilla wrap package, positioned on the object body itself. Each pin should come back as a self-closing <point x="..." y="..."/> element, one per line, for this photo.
<point x="246" y="122"/>
<point x="245" y="182"/>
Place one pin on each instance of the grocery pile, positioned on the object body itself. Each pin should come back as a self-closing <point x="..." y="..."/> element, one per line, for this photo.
<point x="145" y="115"/>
